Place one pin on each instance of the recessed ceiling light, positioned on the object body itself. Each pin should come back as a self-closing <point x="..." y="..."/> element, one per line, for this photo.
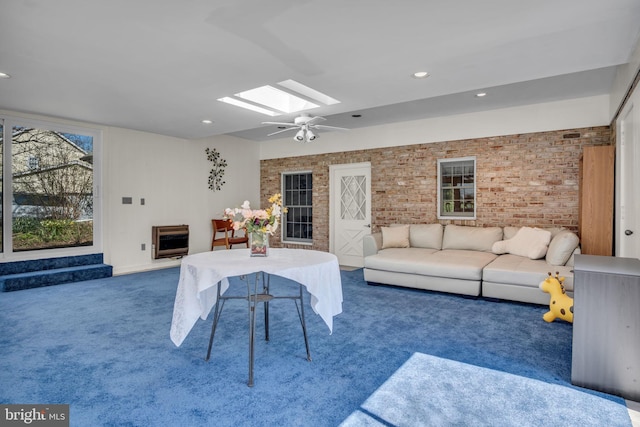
<point x="481" y="94"/>
<point x="420" y="75"/>
<point x="4" y="76"/>
<point x="207" y="121"/>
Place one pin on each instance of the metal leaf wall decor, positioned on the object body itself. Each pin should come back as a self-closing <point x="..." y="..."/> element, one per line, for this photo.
<point x="217" y="173"/>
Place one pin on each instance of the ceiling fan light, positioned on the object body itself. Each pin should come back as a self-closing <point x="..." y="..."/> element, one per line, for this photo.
<point x="310" y="136"/>
<point x="299" y="136"/>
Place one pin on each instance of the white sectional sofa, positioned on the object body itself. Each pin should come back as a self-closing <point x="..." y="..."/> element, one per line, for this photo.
<point x="494" y="262"/>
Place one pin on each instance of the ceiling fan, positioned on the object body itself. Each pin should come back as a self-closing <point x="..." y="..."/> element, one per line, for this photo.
<point x="304" y="124"/>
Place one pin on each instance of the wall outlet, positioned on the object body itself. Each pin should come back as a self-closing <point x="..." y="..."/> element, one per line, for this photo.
<point x="127" y="200"/>
<point x="142" y="201"/>
<point x="143" y="247"/>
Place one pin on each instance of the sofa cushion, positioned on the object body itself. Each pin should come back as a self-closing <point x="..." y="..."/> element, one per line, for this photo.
<point x="561" y="247"/>
<point x="458" y="264"/>
<point x="403" y="260"/>
<point x="571" y="260"/>
<point x="395" y="237"/>
<point x="426" y="236"/>
<point x="555" y="231"/>
<point x="509" y="232"/>
<point x="522" y="271"/>
<point x="470" y="238"/>
<point x="529" y="242"/>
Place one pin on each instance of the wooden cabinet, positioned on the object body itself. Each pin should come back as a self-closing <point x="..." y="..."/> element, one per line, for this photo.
<point x="595" y="220"/>
<point x="606" y="325"/>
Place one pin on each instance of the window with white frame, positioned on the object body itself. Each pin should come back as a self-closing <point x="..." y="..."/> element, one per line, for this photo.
<point x="297" y="194"/>
<point x="50" y="186"/>
<point x="457" y="188"/>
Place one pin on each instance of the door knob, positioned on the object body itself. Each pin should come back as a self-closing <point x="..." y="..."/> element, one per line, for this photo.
<point x="628" y="232"/>
<point x="368" y="225"/>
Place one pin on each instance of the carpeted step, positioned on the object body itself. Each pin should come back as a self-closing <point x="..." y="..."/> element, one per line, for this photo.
<point x="17" y="267"/>
<point x="37" y="279"/>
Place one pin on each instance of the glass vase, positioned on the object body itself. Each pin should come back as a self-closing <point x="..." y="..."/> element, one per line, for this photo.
<point x="258" y="243"/>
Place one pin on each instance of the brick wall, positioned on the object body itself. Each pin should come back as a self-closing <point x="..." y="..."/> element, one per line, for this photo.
<point x="522" y="180"/>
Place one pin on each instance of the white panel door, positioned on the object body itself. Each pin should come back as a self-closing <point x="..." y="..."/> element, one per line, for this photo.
<point x="350" y="211"/>
<point x="628" y="230"/>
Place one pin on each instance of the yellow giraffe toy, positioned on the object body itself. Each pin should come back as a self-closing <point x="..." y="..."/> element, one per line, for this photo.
<point x="560" y="304"/>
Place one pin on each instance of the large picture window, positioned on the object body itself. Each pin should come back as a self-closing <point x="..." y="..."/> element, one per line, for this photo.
<point x="49" y="187"/>
<point x="297" y="190"/>
<point x="457" y="188"/>
<point x="1" y="182"/>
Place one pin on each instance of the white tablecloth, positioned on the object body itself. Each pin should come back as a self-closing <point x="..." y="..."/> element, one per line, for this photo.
<point x="318" y="271"/>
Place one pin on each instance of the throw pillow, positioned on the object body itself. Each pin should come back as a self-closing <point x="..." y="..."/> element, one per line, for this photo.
<point x="528" y="242"/>
<point x="395" y="237"/>
<point x="561" y="247"/>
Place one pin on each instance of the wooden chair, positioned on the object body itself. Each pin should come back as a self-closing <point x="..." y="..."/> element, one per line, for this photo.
<point x="224" y="234"/>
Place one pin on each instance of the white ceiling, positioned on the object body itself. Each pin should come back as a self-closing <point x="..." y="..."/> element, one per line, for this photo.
<point x="159" y="65"/>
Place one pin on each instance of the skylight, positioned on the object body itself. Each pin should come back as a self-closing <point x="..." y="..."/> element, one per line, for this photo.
<point x="274" y="101"/>
<point x="308" y="92"/>
<point x="248" y="106"/>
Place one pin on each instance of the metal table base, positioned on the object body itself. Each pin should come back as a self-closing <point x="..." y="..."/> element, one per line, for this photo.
<point x="254" y="297"/>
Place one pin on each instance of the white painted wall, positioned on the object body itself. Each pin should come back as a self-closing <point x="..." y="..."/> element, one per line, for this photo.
<point x="171" y="174"/>
<point x="575" y="113"/>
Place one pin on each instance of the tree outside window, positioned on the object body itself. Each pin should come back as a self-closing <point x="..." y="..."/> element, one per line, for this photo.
<point x="52" y="174"/>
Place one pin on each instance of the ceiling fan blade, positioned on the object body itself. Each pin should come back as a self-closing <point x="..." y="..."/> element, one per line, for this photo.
<point x="283" y="130"/>
<point x="311" y="121"/>
<point x="321" y="127"/>
<point x="279" y="123"/>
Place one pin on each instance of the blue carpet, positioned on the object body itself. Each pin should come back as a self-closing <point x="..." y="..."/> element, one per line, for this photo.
<point x="407" y="399"/>
<point x="103" y="347"/>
